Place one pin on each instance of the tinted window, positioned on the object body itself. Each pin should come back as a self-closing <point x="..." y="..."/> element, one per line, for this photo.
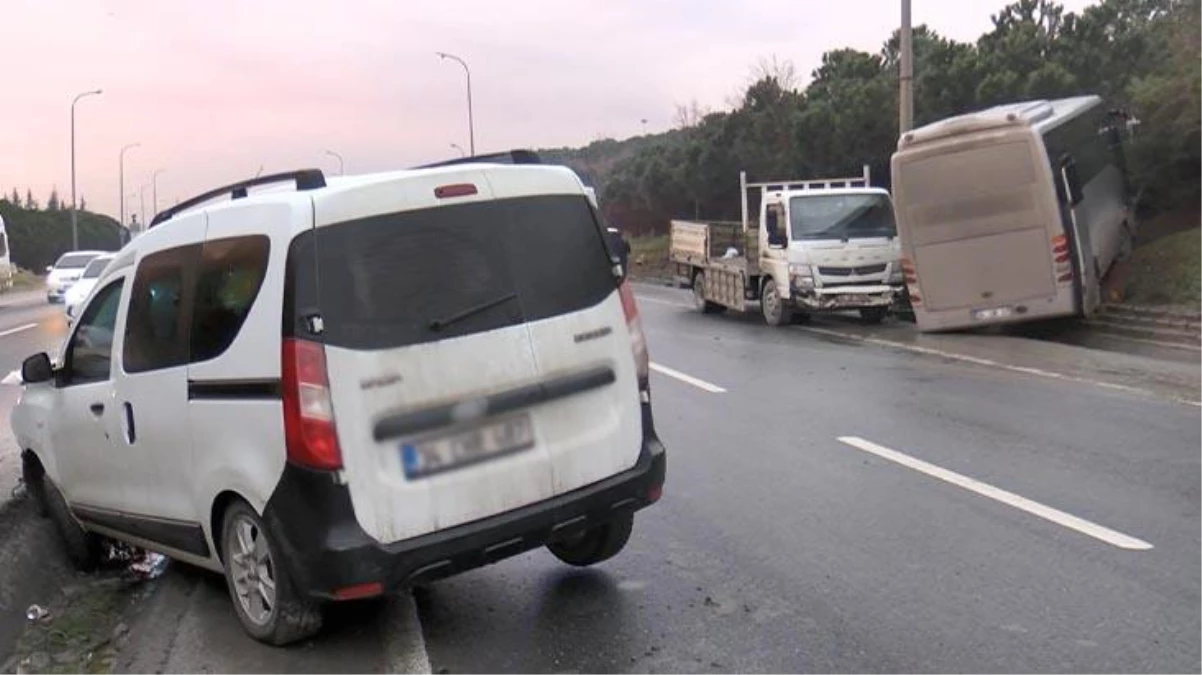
<point x="387" y="281"/>
<point x="156" y="331"/>
<point x="91" y="352"/>
<point x="231" y="273"/>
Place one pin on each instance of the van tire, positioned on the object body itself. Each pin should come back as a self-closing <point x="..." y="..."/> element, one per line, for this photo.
<point x="291" y="617"/>
<point x="873" y="315"/>
<point x="775" y="309"/>
<point x="33" y="476"/>
<point x="596" y="544"/>
<point x="704" y="306"/>
<point x="83" y="548"/>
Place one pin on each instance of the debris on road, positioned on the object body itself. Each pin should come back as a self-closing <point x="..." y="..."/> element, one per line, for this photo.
<point x="36" y="613"/>
<point x="150" y="566"/>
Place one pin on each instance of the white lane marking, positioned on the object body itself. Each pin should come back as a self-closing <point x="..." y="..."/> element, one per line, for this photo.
<point x="18" y="329"/>
<point x="13" y="378"/>
<point x="645" y="298"/>
<point x="687" y="379"/>
<point x="1008" y="498"/>
<point x="404" y="645"/>
<point x="1026" y="370"/>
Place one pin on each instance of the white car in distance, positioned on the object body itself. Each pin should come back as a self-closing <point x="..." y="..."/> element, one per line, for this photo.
<point x="79" y="291"/>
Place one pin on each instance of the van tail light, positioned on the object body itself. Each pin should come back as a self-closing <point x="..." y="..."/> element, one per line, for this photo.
<point x="638" y="339"/>
<point x="309" y="432"/>
<point x="1061" y="256"/>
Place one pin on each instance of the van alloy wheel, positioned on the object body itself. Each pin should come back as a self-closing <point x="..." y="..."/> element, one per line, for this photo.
<point x="265" y="599"/>
<point x="252" y="570"/>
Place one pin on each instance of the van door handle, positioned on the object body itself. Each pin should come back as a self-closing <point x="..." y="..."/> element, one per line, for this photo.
<point x="97" y="409"/>
<point x="131" y="433"/>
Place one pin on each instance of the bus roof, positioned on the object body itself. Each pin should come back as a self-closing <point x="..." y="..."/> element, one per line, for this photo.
<point x="1043" y="116"/>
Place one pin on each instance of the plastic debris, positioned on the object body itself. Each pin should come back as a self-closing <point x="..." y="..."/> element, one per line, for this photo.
<point x="36" y="613"/>
<point x="150" y="566"/>
<point x="731" y="252"/>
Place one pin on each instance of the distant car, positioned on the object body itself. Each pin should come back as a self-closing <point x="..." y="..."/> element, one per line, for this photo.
<point x="66" y="272"/>
<point x="80" y="290"/>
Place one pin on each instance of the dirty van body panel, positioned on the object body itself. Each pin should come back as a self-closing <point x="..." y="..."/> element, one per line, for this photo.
<point x="458" y="386"/>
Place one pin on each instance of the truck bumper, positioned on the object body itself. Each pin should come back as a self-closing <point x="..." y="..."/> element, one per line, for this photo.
<point x="854" y="297"/>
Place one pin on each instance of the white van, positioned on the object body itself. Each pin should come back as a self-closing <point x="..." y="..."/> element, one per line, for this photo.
<point x="343" y="390"/>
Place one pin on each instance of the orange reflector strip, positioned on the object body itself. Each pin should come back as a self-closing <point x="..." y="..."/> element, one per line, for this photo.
<point x="1059" y="239"/>
<point x="456" y="190"/>
<point x="359" y="591"/>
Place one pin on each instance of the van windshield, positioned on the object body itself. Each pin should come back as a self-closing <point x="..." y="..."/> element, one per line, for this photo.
<point x="74" y="261"/>
<point x="841" y="216"/>
<point x="95" y="267"/>
<point x="396" y="279"/>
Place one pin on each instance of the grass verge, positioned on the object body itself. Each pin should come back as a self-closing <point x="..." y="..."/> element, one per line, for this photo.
<point x="1167" y="271"/>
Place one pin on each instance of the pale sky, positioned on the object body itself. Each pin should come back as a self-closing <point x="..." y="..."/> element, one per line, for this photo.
<point x="215" y="89"/>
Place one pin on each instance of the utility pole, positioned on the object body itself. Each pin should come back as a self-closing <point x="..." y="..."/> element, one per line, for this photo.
<point x="154" y="192"/>
<point x="905" y="97"/>
<point x="121" y="178"/>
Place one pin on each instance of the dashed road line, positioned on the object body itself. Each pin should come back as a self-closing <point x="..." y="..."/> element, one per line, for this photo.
<point x="1112" y="537"/>
<point x="18" y="329"/>
<point x="687" y="379"/>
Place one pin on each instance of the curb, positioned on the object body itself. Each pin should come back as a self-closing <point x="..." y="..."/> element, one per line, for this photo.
<point x="404" y="645"/>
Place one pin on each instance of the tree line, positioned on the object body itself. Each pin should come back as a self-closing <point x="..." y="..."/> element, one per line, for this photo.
<point x="38" y="236"/>
<point x="1139" y="55"/>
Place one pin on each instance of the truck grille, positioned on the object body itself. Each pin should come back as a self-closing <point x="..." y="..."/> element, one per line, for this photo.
<point x="850" y="271"/>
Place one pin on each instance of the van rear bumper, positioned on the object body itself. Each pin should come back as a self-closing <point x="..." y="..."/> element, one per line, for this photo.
<point x="326" y="551"/>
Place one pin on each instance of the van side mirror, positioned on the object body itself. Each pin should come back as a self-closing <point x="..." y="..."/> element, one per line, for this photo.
<point x="772" y="224"/>
<point x="37" y="369"/>
<point x="1072" y="181"/>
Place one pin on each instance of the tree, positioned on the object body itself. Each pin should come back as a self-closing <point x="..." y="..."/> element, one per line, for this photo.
<point x="53" y="203"/>
<point x="83" y="203"/>
<point x="15" y="198"/>
<point x="30" y="204"/>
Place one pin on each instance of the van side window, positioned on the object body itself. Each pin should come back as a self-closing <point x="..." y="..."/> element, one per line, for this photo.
<point x="90" y="355"/>
<point x="157" y="326"/>
<point x="231" y="273"/>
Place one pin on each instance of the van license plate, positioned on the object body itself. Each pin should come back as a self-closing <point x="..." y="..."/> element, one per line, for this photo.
<point x="992" y="313"/>
<point x="493" y="439"/>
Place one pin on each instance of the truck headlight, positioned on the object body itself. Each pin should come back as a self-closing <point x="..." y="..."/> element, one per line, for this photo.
<point x="802" y="276"/>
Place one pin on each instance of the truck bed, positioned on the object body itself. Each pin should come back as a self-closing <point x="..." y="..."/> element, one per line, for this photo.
<point x="704" y="246"/>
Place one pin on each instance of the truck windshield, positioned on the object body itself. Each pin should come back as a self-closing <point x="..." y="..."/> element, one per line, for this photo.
<point x="841" y="216"/>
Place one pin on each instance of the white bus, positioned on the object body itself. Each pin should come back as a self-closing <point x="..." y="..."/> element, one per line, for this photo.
<point x="1013" y="213"/>
<point x="6" y="265"/>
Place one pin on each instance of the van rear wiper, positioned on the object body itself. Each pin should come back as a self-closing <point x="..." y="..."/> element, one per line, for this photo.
<point x="439" y="324"/>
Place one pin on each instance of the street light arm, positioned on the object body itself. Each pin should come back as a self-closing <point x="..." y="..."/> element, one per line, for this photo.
<point x="471" y="125"/>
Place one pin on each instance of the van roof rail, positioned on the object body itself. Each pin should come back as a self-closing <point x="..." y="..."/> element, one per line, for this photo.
<point x="507" y="157"/>
<point x="305" y="179"/>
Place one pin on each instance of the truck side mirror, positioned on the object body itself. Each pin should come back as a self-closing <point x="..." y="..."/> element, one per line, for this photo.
<point x="772" y="224"/>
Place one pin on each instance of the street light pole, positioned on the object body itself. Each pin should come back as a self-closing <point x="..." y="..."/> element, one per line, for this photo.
<point x="906" y="75"/>
<point x="121" y="178"/>
<point x="471" y="125"/>
<point x="154" y="192"/>
<point x="341" y="165"/>
<point x="461" y="152"/>
<point x="142" y="198"/>
<point x="74" y="226"/>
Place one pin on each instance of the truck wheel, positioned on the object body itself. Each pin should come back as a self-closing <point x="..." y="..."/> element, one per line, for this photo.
<point x="873" y="315"/>
<point x="596" y="544"/>
<point x="265" y="600"/>
<point x="699" y="301"/>
<point x="776" y="311"/>
<point x="82" y="547"/>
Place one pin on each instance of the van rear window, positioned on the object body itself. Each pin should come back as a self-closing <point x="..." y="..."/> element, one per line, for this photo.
<point x="421" y="276"/>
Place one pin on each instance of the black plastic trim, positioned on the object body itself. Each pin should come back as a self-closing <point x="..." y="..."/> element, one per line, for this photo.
<point x="512" y="157"/>
<point x="180" y="535"/>
<point x="305" y="179"/>
<point x="312" y="521"/>
<point x="417" y="421"/>
<point x="234" y="390"/>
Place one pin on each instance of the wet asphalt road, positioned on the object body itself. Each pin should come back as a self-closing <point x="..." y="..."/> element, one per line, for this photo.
<point x="779" y="548"/>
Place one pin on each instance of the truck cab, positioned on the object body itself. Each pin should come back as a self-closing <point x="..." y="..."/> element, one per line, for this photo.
<point x="827" y="245"/>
